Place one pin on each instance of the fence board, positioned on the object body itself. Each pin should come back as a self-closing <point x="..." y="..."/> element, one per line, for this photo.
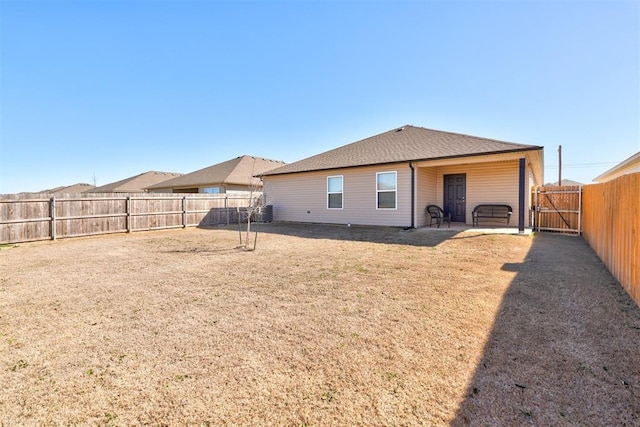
<point x="611" y="226"/>
<point x="36" y="216"/>
<point x="42" y="217"/>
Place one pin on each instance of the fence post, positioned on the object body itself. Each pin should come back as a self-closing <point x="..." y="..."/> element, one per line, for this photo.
<point x="52" y="212"/>
<point x="128" y="207"/>
<point x="579" y="211"/>
<point x="184" y="211"/>
<point x="226" y="207"/>
<point x="536" y="214"/>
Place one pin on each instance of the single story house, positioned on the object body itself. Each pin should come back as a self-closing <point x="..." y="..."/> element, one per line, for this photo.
<point x="629" y="165"/>
<point x="70" y="189"/>
<point x="135" y="184"/>
<point x="390" y="178"/>
<point x="235" y="175"/>
<point x="566" y="183"/>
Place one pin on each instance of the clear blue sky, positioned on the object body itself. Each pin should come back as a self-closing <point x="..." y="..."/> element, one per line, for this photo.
<point x="110" y="89"/>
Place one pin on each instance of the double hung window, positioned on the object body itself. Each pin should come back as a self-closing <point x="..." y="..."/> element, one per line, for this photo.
<point x="386" y="190"/>
<point x="334" y="192"/>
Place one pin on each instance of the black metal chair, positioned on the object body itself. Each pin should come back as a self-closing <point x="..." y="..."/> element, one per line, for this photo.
<point x="437" y="215"/>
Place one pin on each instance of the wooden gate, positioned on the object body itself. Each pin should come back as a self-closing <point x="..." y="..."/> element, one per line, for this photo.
<point x="557" y="208"/>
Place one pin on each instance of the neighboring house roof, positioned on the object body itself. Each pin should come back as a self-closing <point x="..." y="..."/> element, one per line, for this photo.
<point x="238" y="171"/>
<point x="72" y="189"/>
<point x="568" y="182"/>
<point x="404" y="144"/>
<point x="135" y="184"/>
<point x="69" y="189"/>
<point x="629" y="165"/>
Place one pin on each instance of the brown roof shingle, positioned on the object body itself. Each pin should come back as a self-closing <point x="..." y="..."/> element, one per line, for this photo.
<point x="135" y="184"/>
<point x="72" y="189"/>
<point x="237" y="171"/>
<point x="404" y="144"/>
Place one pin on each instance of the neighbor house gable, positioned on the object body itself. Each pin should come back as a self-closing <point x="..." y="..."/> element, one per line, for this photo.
<point x="70" y="189"/>
<point x="135" y="184"/>
<point x="238" y="173"/>
<point x="629" y="165"/>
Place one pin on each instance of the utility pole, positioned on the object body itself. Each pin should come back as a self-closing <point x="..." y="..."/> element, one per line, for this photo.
<point x="559" y="164"/>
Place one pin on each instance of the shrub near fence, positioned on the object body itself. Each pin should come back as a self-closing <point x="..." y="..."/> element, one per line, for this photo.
<point x="42" y="217"/>
<point x="611" y="226"/>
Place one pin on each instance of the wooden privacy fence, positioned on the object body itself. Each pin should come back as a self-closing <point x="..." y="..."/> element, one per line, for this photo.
<point x="557" y="208"/>
<point x="611" y="226"/>
<point x="43" y="218"/>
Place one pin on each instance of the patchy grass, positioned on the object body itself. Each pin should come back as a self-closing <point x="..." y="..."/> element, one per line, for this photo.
<point x="319" y="326"/>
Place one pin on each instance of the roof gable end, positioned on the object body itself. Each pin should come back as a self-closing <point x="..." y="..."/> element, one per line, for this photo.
<point x="135" y="183"/>
<point x="239" y="170"/>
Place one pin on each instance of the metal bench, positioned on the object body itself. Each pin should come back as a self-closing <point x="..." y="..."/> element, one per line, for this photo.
<point x="490" y="211"/>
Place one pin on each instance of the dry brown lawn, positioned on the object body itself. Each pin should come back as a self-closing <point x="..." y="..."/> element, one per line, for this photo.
<point x="321" y="325"/>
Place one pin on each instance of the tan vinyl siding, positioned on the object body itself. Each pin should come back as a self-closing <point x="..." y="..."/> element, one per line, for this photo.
<point x="427" y="194"/>
<point x="235" y="188"/>
<point x="224" y="188"/>
<point x="160" y="190"/>
<point x="302" y="197"/>
<point x="496" y="182"/>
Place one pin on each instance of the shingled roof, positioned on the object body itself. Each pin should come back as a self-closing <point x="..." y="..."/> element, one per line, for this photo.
<point x="238" y="171"/>
<point x="404" y="144"/>
<point x="135" y="184"/>
<point x="70" y="189"/>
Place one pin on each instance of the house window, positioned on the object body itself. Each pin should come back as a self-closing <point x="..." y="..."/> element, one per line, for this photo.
<point x="212" y="190"/>
<point x="386" y="184"/>
<point x="334" y="192"/>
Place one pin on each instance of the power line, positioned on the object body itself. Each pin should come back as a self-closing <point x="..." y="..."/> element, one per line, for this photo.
<point x="582" y="165"/>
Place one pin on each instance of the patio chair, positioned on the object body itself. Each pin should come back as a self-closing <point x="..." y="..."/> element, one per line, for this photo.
<point x="437" y="215"/>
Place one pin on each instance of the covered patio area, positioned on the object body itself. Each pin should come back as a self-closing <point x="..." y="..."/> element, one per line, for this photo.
<point x="459" y="185"/>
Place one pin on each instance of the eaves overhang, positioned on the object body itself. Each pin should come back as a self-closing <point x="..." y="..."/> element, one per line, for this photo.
<point x="416" y="160"/>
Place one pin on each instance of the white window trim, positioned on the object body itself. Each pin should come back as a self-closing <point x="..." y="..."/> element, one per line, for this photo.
<point x="335" y="192"/>
<point x="387" y="191"/>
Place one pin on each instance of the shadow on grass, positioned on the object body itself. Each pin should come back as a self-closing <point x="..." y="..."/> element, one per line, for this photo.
<point x="356" y="233"/>
<point x="564" y="348"/>
<point x="203" y="250"/>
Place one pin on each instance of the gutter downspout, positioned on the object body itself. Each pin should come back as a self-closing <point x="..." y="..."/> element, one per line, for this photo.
<point x="413" y="194"/>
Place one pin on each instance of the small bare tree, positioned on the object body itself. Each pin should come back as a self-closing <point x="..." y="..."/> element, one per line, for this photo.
<point x="247" y="215"/>
<point x="252" y="212"/>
